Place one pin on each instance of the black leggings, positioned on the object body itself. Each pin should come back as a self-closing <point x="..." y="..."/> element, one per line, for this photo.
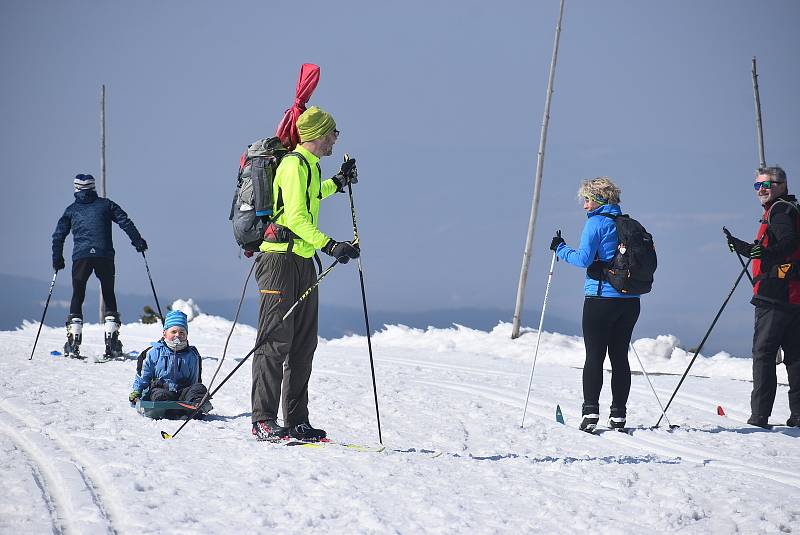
<point x="81" y="271"/>
<point x="607" y="327"/>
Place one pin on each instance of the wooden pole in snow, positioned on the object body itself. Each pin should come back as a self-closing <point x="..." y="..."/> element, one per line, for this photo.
<point x="102" y="172"/>
<point x="759" y="129"/>
<point x="526" y="257"/>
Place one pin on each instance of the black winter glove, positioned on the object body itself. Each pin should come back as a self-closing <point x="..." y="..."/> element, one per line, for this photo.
<point x="139" y="244"/>
<point x="348" y="174"/>
<point x="557" y="240"/>
<point x="342" y="251"/>
<point x="741" y="247"/>
<point x="58" y="263"/>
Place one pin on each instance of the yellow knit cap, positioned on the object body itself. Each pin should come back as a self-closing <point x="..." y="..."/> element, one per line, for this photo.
<point x="314" y="123"/>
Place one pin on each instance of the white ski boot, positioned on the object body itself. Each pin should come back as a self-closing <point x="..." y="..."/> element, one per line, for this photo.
<point x="113" y="345"/>
<point x="74" y="335"/>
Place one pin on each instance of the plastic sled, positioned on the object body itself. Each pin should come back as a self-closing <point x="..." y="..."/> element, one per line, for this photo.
<point x="171" y="410"/>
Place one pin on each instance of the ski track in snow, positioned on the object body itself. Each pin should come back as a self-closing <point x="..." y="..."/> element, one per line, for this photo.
<point x="71" y="496"/>
<point x="81" y="461"/>
<point x="652" y="441"/>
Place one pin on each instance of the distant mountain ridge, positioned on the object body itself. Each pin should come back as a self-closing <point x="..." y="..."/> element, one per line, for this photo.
<point x="24" y="297"/>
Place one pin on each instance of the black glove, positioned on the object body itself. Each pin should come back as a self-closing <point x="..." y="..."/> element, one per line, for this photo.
<point x="740" y="246"/>
<point x="557" y="240"/>
<point x="342" y="251"/>
<point x="139" y="244"/>
<point x="348" y="174"/>
<point x="58" y="263"/>
<point x="756" y="251"/>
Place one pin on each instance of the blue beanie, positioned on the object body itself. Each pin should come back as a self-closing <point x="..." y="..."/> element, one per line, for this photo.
<point x="176" y="318"/>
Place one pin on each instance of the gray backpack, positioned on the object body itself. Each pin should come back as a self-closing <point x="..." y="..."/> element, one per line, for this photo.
<point x="251" y="209"/>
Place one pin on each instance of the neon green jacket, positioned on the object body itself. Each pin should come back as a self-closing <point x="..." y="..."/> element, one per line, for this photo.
<point x="290" y="182"/>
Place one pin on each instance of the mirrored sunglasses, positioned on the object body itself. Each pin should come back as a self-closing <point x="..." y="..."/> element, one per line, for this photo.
<point x="766" y="184"/>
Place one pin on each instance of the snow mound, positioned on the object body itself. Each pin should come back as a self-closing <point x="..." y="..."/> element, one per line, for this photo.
<point x="661" y="348"/>
<point x="188" y="307"/>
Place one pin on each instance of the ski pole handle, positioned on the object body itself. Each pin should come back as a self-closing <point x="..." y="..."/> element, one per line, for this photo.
<point x="558" y="233"/>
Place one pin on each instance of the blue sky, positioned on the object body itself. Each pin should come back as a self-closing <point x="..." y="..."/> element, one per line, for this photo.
<point x="441" y="104"/>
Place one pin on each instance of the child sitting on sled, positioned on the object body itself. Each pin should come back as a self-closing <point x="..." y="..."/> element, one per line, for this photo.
<point x="171" y="369"/>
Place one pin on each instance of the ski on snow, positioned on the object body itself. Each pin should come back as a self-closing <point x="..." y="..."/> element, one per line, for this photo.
<point x="775" y="428"/>
<point x="326" y="443"/>
<point x="131" y="355"/>
<point x="601" y="430"/>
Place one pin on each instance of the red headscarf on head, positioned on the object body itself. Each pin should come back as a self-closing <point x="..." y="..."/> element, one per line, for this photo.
<point x="306" y="83"/>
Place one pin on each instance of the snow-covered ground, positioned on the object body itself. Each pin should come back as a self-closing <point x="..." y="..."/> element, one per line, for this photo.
<point x="77" y="459"/>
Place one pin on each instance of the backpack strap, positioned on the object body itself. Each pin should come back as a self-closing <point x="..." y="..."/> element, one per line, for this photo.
<point x="596" y="270"/>
<point x="140" y="361"/>
<point x="279" y="203"/>
<point x="787" y="210"/>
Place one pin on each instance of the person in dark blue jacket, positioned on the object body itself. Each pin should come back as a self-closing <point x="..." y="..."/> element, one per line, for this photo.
<point x="171" y="370"/>
<point x="89" y="219"/>
<point x="608" y="315"/>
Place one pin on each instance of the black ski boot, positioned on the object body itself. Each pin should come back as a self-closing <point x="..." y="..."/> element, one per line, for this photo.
<point x="617" y="423"/>
<point x="616" y="420"/>
<point x="269" y="430"/>
<point x="759" y="421"/>
<point x="113" y="345"/>
<point x="306" y="433"/>
<point x="589" y="422"/>
<point x="591" y="415"/>
<point x="793" y="421"/>
<point x="74" y="335"/>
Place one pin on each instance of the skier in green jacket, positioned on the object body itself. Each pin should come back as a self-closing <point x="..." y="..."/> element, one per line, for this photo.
<point x="284" y="271"/>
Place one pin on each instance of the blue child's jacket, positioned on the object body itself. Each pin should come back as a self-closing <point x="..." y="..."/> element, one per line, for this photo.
<point x="176" y="370"/>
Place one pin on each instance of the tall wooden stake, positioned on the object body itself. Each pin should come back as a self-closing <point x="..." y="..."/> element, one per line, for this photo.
<point x="526" y="257"/>
<point x="759" y="130"/>
<point x="762" y="160"/>
<point x="102" y="172"/>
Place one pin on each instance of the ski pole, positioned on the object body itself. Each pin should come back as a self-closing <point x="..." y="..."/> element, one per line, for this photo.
<point x="230" y="333"/>
<point x="663" y="413"/>
<point x="364" y="301"/>
<point x="160" y="315"/>
<point x="260" y="343"/>
<point x="708" y="332"/>
<point x="46" y="304"/>
<point x="728" y="235"/>
<point x="779" y="354"/>
<point x="539" y="335"/>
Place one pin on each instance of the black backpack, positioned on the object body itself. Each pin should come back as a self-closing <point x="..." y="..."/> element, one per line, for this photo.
<point x="634" y="263"/>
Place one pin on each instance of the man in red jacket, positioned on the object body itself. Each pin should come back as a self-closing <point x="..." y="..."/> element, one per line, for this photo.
<point x="776" y="295"/>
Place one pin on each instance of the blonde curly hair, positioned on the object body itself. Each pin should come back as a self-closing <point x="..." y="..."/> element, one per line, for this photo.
<point x="600" y="189"/>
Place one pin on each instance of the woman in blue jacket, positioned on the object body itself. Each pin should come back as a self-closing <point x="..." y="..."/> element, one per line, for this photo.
<point x="608" y="315"/>
<point x="171" y="371"/>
